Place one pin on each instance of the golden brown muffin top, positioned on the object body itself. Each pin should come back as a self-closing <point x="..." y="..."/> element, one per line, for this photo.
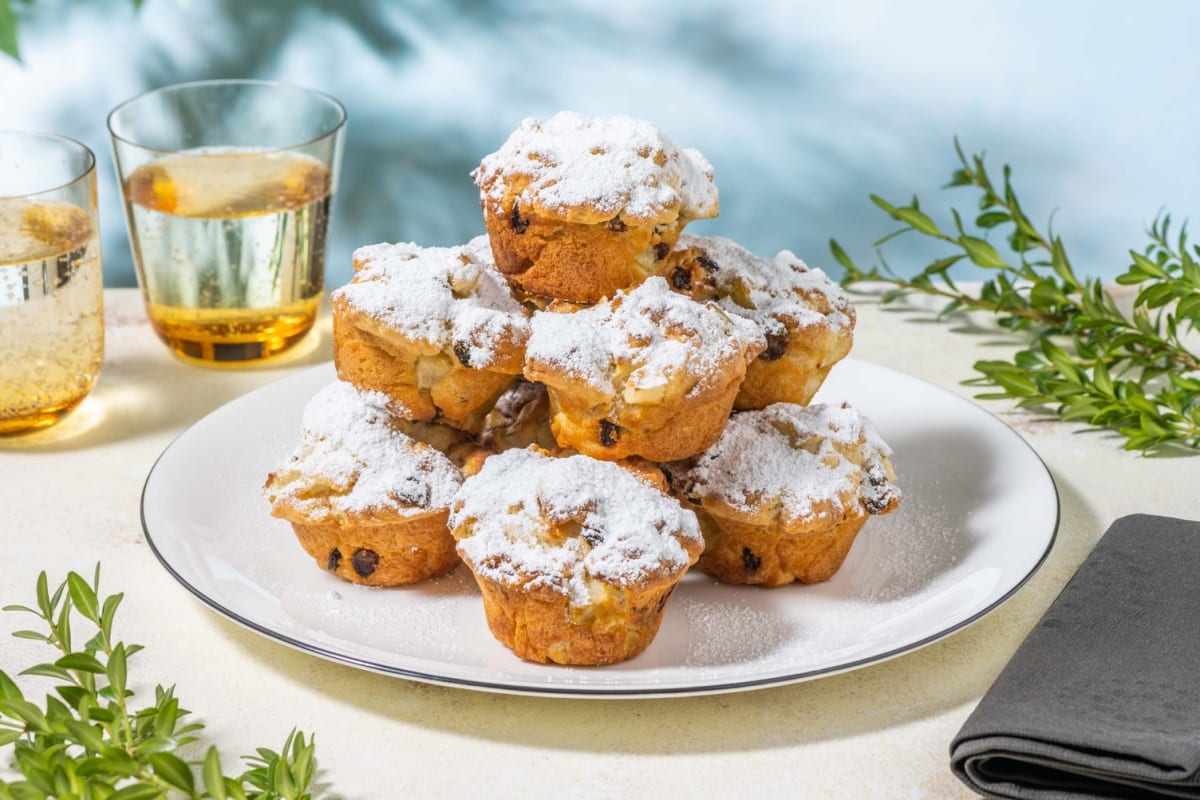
<point x="783" y="291"/>
<point x="530" y="519"/>
<point x="439" y="297"/>
<point x="790" y="462"/>
<point x="590" y="170"/>
<point x="355" y="461"/>
<point x="646" y="345"/>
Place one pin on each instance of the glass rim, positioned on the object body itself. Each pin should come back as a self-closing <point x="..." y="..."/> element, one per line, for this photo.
<point x="87" y="151"/>
<point x="337" y="105"/>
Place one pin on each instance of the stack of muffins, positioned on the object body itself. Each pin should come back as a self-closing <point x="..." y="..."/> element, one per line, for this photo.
<point x="584" y="403"/>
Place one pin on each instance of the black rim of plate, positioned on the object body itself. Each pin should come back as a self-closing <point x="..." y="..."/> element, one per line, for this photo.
<point x="601" y="692"/>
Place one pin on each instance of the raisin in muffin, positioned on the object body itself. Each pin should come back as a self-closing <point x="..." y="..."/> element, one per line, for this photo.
<point x="648" y="373"/>
<point x="784" y="492"/>
<point x="807" y="319"/>
<point x="436" y="329"/>
<point x="576" y="558"/>
<point x="579" y="207"/>
<point x="367" y="500"/>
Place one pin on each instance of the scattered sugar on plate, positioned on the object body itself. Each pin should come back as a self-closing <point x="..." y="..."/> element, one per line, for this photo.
<point x="416" y="618"/>
<point x="729" y="632"/>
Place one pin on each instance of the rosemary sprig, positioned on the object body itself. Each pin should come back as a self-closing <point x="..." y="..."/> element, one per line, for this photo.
<point x="89" y="743"/>
<point x="1084" y="358"/>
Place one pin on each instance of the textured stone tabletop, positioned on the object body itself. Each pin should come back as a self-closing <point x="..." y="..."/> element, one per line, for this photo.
<point x="70" y="497"/>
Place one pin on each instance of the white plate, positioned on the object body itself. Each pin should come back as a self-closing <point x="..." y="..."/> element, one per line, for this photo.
<point x="978" y="518"/>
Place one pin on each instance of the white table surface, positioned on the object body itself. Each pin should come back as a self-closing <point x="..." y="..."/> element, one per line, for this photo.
<point x="69" y="497"/>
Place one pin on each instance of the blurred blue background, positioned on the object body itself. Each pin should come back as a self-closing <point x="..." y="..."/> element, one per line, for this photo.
<point x="803" y="108"/>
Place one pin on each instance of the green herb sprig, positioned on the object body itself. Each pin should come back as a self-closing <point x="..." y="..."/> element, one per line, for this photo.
<point x="1084" y="358"/>
<point x="89" y="742"/>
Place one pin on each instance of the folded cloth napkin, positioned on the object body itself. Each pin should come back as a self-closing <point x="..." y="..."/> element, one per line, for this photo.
<point x="1102" y="700"/>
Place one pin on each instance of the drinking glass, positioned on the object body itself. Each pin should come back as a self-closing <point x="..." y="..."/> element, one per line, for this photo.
<point x="227" y="186"/>
<point x="51" y="281"/>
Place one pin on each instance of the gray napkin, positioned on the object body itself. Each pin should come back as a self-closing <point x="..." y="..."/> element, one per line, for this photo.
<point x="1102" y="700"/>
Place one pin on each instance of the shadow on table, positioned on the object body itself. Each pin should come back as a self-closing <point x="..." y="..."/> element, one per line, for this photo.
<point x="944" y="676"/>
<point x="151" y="391"/>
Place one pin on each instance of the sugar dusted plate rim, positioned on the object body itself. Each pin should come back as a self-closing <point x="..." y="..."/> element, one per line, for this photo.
<point x="979" y="517"/>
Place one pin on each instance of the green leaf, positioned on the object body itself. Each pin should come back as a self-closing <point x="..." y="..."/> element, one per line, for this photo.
<point x="164" y="719"/>
<point x="281" y="779"/>
<point x="138" y="791"/>
<point x="991" y="219"/>
<point x="157" y="744"/>
<point x="1016" y="384"/>
<point x="43" y="593"/>
<point x="8" y="31"/>
<point x="1046" y="294"/>
<point x="8" y="737"/>
<point x="173" y="770"/>
<point x="72" y="694"/>
<point x="214" y="778"/>
<point x="981" y="253"/>
<point x="85" y="735"/>
<point x="840" y="256"/>
<point x="1156" y="295"/>
<point x="1147" y="266"/>
<point x="109" y="612"/>
<point x="918" y="220"/>
<point x="8" y="689"/>
<point x="941" y="265"/>
<point x="25" y="711"/>
<point x="48" y="671"/>
<point x="884" y="204"/>
<point x="1101" y="379"/>
<point x="81" y="662"/>
<point x="84" y="597"/>
<point x="33" y="635"/>
<point x="16" y="607"/>
<point x="1062" y="265"/>
<point x="116" y="670"/>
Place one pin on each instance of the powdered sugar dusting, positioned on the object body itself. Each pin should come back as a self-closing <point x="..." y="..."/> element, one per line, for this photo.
<point x="518" y="505"/>
<point x="617" y="165"/>
<point x="784" y="287"/>
<point x="731" y="633"/>
<point x="658" y="334"/>
<point x="354" y="459"/>
<point x="811" y="460"/>
<point x="442" y="297"/>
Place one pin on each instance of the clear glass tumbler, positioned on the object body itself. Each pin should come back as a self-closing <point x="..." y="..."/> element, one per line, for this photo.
<point x="227" y="186"/>
<point x="51" y="281"/>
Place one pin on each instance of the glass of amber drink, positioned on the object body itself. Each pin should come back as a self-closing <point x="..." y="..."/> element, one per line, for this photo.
<point x="227" y="186"/>
<point x="51" y="283"/>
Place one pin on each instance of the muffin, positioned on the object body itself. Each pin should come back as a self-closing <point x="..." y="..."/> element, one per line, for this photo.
<point x="576" y="558"/>
<point x="521" y="417"/>
<point x="649" y="373"/>
<point x="578" y="207"/>
<point x="436" y="329"/>
<point x="807" y="319"/>
<point x="784" y="492"/>
<point x="366" y="500"/>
